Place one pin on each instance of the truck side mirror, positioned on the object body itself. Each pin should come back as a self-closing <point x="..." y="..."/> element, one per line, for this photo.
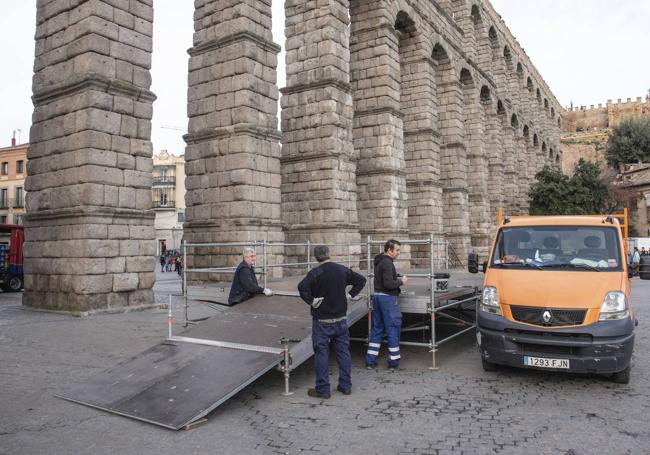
<point x="472" y="263"/>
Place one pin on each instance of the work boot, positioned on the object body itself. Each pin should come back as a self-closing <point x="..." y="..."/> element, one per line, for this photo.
<point x="343" y="391"/>
<point x="316" y="394"/>
<point x="370" y="367"/>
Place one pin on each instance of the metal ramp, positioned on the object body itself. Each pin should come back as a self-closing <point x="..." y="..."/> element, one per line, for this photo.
<point x="184" y="378"/>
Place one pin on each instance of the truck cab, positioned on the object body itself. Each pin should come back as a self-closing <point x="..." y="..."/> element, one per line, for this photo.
<point x="556" y="296"/>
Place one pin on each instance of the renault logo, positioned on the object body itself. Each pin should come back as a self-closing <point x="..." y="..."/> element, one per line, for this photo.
<point x="547" y="316"/>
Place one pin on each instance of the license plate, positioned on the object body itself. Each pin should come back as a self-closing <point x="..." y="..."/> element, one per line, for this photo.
<point x="540" y="362"/>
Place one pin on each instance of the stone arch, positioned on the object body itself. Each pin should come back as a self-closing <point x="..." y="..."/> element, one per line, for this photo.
<point x="539" y="96"/>
<point x="551" y="153"/>
<point x="520" y="71"/>
<point x="535" y="140"/>
<point x="477" y="19"/>
<point x="500" y="109"/>
<point x="485" y="94"/>
<point x="507" y="56"/>
<point x="553" y="113"/>
<point x="514" y="121"/>
<point x="466" y="78"/>
<point x="557" y="159"/>
<point x="529" y="85"/>
<point x="493" y="37"/>
<point x="559" y="122"/>
<point x="545" y="103"/>
<point x="526" y="133"/>
<point x="543" y="146"/>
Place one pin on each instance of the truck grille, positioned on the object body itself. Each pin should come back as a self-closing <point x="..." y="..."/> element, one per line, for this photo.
<point x="532" y="315"/>
<point x="534" y="349"/>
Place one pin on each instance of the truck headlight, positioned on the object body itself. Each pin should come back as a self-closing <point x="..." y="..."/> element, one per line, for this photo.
<point x="614" y="307"/>
<point x="490" y="300"/>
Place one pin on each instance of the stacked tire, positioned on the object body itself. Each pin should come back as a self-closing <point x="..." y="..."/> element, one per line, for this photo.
<point x="644" y="268"/>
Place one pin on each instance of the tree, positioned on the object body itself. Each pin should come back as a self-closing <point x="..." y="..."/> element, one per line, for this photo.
<point x="584" y="193"/>
<point x="629" y="142"/>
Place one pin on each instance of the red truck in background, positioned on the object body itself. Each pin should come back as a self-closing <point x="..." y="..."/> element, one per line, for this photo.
<point x="12" y="237"/>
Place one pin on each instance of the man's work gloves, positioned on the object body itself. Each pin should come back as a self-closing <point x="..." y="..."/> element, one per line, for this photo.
<point x="316" y="302"/>
<point x="267" y="292"/>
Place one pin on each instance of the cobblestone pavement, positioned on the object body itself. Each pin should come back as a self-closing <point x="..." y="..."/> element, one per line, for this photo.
<point x="457" y="410"/>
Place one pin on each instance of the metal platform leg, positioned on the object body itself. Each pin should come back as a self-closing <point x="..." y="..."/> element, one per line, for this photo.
<point x="286" y="368"/>
<point x="434" y="345"/>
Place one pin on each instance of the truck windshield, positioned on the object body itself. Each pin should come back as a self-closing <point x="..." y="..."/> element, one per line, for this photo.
<point x="580" y="248"/>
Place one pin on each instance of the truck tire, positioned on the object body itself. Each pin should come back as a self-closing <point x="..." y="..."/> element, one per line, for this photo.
<point x="622" y="377"/>
<point x="488" y="366"/>
<point x="644" y="268"/>
<point x="14" y="283"/>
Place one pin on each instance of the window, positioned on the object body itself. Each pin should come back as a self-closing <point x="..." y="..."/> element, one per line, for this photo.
<point x="4" y="203"/>
<point x="18" y="219"/>
<point x="3" y="219"/>
<point x="554" y="247"/>
<point x="4" y="168"/>
<point x="181" y="217"/>
<point x="19" y="199"/>
<point x="19" y="166"/>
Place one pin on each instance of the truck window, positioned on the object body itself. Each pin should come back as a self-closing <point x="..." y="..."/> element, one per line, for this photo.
<point x="581" y="248"/>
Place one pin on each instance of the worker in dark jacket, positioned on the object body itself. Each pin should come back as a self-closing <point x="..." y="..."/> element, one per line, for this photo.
<point x="244" y="284"/>
<point x="386" y="314"/>
<point x="324" y="289"/>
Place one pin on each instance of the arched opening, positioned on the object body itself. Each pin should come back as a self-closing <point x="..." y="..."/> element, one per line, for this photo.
<point x="466" y="78"/>
<point x="526" y="133"/>
<point x="500" y="109"/>
<point x="557" y="159"/>
<point x="520" y="71"/>
<point x="551" y="153"/>
<point x="514" y="121"/>
<point x="559" y="122"/>
<point x="507" y="55"/>
<point x="476" y="18"/>
<point x="535" y="140"/>
<point x="545" y="103"/>
<point x="492" y="35"/>
<point x="485" y="94"/>
<point x="543" y="146"/>
<point x="552" y="112"/>
<point x="529" y="85"/>
<point x="539" y="96"/>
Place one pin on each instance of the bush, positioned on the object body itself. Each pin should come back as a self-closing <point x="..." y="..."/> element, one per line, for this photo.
<point x="629" y="142"/>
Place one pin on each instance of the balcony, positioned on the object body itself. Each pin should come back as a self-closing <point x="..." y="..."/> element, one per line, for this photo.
<point x="166" y="205"/>
<point x="164" y="181"/>
<point x="19" y="203"/>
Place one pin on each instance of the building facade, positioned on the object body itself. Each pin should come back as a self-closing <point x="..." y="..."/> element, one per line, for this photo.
<point x="400" y="118"/>
<point x="168" y="200"/>
<point x="13" y="170"/>
<point x="635" y="178"/>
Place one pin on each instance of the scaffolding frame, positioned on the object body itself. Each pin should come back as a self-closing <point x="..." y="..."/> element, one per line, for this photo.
<point x="431" y="310"/>
<point x="264" y="245"/>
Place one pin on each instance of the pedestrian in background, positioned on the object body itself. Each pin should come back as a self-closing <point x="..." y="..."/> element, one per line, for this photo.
<point x="324" y="289"/>
<point x="162" y="262"/>
<point x="386" y="314"/>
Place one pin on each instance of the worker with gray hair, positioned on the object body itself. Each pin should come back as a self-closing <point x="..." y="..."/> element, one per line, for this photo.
<point x="324" y="289"/>
<point x="244" y="284"/>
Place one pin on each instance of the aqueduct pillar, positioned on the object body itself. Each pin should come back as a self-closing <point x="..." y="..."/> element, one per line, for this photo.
<point x="89" y="228"/>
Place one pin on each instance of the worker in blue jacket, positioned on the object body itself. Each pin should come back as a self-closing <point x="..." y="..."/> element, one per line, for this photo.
<point x="244" y="284"/>
<point x="386" y="314"/>
<point x="324" y="289"/>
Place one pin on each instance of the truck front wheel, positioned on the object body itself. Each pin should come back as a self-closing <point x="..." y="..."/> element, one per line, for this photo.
<point x="622" y="377"/>
<point x="488" y="366"/>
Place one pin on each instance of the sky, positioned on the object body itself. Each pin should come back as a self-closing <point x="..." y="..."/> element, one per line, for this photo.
<point x="587" y="51"/>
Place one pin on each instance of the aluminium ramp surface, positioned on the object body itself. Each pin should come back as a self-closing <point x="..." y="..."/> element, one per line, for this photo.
<point x="176" y="383"/>
<point x="172" y="384"/>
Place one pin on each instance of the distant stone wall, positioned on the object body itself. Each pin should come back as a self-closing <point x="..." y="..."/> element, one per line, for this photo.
<point x="586" y="130"/>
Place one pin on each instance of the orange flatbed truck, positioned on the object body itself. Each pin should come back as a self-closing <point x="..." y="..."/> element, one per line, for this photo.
<point x="556" y="296"/>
